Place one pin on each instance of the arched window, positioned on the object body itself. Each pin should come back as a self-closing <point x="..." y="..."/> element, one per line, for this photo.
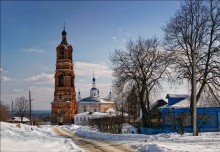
<point x="61" y="56"/>
<point x="61" y="82"/>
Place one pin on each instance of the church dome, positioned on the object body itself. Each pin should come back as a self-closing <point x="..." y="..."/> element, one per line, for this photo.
<point x="64" y="32"/>
<point x="93" y="79"/>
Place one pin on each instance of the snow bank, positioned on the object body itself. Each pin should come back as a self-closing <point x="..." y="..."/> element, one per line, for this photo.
<point x="164" y="142"/>
<point x="23" y="137"/>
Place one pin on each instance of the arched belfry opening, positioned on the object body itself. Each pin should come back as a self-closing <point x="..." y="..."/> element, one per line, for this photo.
<point x="61" y="80"/>
<point x="64" y="105"/>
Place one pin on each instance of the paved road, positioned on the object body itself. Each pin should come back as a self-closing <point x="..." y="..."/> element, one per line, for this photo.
<point x="92" y="145"/>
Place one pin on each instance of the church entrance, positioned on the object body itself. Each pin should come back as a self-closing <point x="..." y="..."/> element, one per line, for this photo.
<point x="60" y="117"/>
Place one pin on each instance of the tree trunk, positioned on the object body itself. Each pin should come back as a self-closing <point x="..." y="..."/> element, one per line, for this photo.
<point x="148" y="111"/>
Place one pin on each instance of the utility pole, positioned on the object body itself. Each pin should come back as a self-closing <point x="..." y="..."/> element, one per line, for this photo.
<point x="12" y="107"/>
<point x="30" y="106"/>
<point x="194" y="92"/>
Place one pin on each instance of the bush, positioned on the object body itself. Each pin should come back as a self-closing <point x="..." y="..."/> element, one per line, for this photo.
<point x="108" y="124"/>
<point x="4" y="112"/>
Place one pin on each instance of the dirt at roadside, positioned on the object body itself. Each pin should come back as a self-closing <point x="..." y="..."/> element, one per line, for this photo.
<point x="92" y="145"/>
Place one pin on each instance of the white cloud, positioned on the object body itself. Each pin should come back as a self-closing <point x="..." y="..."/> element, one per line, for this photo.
<point x="18" y="90"/>
<point x="5" y="79"/>
<point x="114" y="38"/>
<point x="42" y="78"/>
<point x="86" y="69"/>
<point x="1" y="69"/>
<point x="33" y="50"/>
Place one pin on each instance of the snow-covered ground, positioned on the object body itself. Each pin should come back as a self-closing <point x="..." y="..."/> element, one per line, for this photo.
<point x="15" y="138"/>
<point x="20" y="138"/>
<point x="165" y="142"/>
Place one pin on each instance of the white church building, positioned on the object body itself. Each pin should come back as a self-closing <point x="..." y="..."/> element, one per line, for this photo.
<point x="95" y="103"/>
<point x="93" y="106"/>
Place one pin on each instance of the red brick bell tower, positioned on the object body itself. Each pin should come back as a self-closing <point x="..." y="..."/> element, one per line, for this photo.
<point x="64" y="105"/>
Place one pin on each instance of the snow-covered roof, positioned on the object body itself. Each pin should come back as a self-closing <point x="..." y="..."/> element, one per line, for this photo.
<point x="92" y="113"/>
<point x="110" y="110"/>
<point x="105" y="100"/>
<point x="90" y="99"/>
<point x="177" y="95"/>
<point x="17" y="119"/>
<point x="95" y="100"/>
<point x="185" y="103"/>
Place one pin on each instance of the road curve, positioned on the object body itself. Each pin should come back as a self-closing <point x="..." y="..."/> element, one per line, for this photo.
<point x="92" y="145"/>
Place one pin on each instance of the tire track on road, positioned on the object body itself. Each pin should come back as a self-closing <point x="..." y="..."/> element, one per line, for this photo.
<point x="92" y="145"/>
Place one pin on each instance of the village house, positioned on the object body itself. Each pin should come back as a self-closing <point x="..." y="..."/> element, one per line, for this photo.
<point x="176" y="114"/>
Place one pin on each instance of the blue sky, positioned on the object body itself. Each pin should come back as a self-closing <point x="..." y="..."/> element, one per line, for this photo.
<point x="31" y="30"/>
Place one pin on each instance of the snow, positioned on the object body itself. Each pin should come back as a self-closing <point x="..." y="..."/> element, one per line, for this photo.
<point x="177" y="95"/>
<point x="164" y="142"/>
<point x="93" y="113"/>
<point x="21" y="138"/>
<point x="185" y="103"/>
<point x="19" y="119"/>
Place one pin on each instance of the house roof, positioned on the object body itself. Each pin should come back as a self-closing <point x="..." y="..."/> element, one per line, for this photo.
<point x="95" y="100"/>
<point x="158" y="104"/>
<point x="185" y="103"/>
<point x="92" y="113"/>
<point x="177" y="95"/>
<point x="90" y="99"/>
<point x="18" y="119"/>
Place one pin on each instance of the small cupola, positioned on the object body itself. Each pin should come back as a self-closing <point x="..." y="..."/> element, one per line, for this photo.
<point x="79" y="96"/>
<point x="94" y="90"/>
<point x="64" y="41"/>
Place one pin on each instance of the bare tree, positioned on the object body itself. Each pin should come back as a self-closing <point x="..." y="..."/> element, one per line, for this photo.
<point x="142" y="65"/>
<point x="196" y="27"/>
<point x="132" y="104"/>
<point x="4" y="112"/>
<point x="22" y="107"/>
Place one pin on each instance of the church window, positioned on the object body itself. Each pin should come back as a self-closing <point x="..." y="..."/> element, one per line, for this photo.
<point x="61" y="82"/>
<point x="94" y="94"/>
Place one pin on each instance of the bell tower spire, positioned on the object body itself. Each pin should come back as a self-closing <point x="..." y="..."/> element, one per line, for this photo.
<point x="64" y="41"/>
<point x="93" y="81"/>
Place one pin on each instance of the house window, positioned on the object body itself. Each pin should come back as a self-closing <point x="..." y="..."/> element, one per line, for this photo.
<point x="169" y="118"/>
<point x="85" y="110"/>
<point x="95" y="110"/>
